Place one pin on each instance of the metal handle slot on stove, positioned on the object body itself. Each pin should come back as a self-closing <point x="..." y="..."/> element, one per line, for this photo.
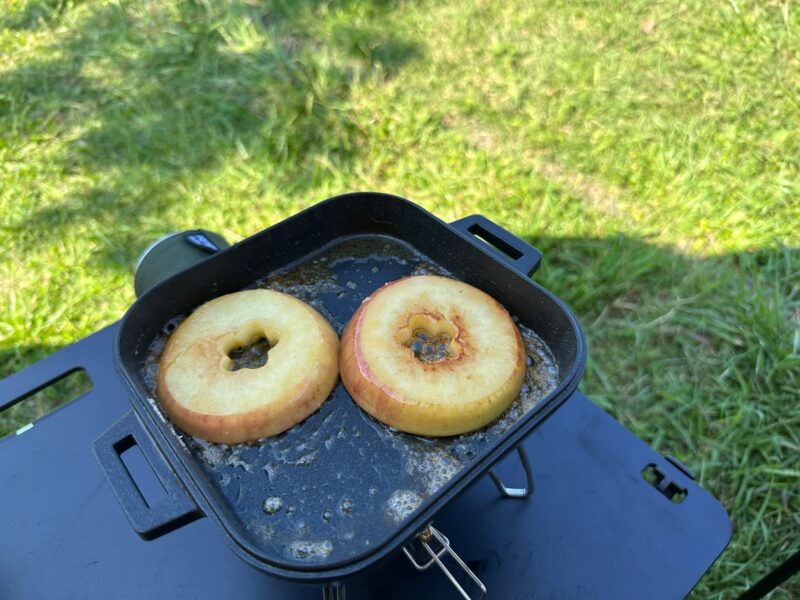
<point x="63" y="388"/>
<point x="431" y="533"/>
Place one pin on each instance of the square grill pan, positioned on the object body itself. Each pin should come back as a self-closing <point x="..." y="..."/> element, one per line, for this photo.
<point x="339" y="491"/>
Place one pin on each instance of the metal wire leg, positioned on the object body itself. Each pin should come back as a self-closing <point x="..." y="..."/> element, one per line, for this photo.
<point x="334" y="592"/>
<point x="431" y="533"/>
<point x="508" y="492"/>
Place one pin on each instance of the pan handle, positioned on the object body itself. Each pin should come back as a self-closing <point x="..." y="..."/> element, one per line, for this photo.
<point x="490" y="236"/>
<point x="174" y="510"/>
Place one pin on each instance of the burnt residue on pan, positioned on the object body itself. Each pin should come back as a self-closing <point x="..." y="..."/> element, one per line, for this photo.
<point x="340" y="482"/>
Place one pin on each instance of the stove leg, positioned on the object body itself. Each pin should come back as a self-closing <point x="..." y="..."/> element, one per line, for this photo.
<point x="334" y="591"/>
<point x="523" y="492"/>
<point x="770" y="581"/>
<point x="425" y="538"/>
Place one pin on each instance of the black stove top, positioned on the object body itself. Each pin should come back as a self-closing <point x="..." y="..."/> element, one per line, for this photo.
<point x="593" y="528"/>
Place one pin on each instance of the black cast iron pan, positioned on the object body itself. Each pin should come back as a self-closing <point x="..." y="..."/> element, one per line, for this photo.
<point x="338" y="492"/>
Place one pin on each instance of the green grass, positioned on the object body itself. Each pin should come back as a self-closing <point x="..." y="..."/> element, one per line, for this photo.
<point x="658" y="172"/>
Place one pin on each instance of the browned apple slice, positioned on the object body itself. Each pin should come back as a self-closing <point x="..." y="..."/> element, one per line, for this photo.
<point x="432" y="356"/>
<point x="202" y="389"/>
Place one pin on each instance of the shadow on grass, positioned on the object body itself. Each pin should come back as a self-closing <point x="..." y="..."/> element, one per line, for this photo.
<point x="151" y="108"/>
<point x="652" y="312"/>
<point x="698" y="356"/>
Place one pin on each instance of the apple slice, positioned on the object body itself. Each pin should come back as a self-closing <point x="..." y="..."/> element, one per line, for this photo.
<point x="206" y="394"/>
<point x="432" y="356"/>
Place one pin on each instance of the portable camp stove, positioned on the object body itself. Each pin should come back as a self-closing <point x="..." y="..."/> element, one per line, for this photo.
<point x="593" y="528"/>
<point x="610" y="517"/>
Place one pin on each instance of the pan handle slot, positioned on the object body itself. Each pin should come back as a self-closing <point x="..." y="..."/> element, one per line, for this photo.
<point x="173" y="509"/>
<point x="488" y="235"/>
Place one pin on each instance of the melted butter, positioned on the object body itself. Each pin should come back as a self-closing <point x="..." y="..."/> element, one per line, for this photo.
<point x="251" y="356"/>
<point x="429" y="348"/>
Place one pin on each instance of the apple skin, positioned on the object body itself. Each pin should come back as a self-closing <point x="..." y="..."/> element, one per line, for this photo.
<point x="249" y="426"/>
<point x="410" y="412"/>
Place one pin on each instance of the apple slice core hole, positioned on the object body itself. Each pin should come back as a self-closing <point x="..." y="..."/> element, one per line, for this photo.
<point x="248" y="348"/>
<point x="430" y="337"/>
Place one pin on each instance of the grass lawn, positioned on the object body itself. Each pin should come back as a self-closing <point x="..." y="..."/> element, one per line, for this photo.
<point x="652" y="153"/>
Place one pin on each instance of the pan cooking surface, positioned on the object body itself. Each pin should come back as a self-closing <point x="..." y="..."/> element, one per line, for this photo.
<point x="340" y="482"/>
